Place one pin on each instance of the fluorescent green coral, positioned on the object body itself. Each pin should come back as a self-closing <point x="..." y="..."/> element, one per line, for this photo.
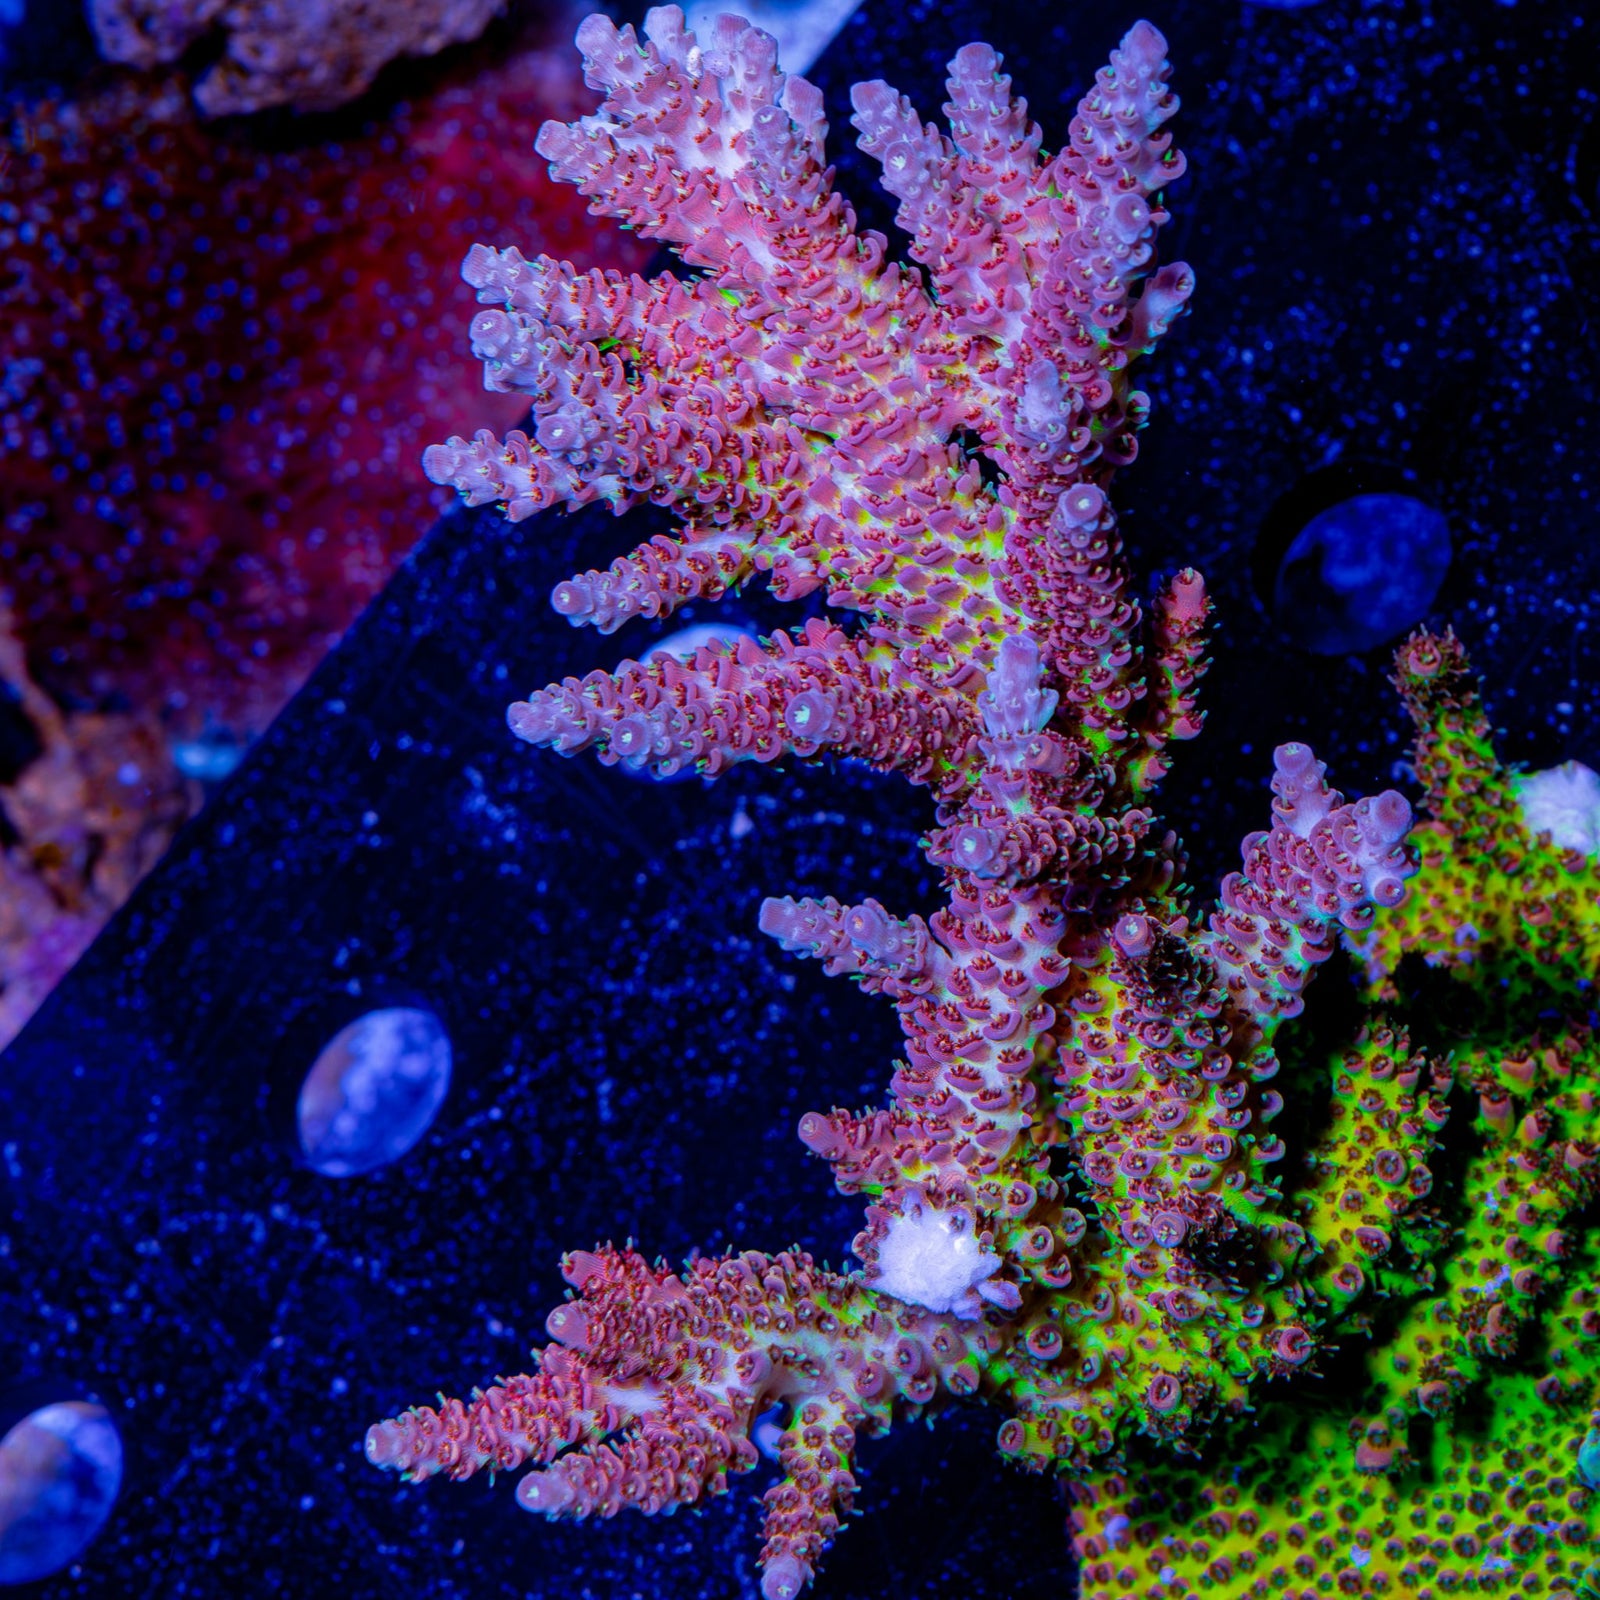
<point x="1452" y="1445"/>
<point x="1495" y="1506"/>
<point x="1463" y="1460"/>
<point x="1363" y="1178"/>
<point x="1533" y="1172"/>
<point x="1492" y="902"/>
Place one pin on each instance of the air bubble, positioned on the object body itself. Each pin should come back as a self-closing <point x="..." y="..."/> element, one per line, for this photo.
<point x="60" y="1469"/>
<point x="374" y="1090"/>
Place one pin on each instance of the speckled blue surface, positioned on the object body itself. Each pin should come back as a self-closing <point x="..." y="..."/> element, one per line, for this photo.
<point x="1390" y="210"/>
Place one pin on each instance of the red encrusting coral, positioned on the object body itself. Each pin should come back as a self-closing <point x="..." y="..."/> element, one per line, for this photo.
<point x="220" y="352"/>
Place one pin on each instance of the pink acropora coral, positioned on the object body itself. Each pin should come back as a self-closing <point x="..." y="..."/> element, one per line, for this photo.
<point x="1078" y="1207"/>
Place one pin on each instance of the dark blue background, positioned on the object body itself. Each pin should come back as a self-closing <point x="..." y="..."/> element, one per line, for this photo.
<point x="1390" y="211"/>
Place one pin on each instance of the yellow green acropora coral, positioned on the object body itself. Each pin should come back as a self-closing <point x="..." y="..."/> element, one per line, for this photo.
<point x="1452" y="1446"/>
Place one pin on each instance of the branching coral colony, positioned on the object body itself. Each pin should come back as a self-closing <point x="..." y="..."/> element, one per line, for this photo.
<point x="1078" y="1208"/>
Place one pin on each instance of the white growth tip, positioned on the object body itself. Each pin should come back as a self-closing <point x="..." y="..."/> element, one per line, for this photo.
<point x="934" y="1260"/>
<point x="1565" y="803"/>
